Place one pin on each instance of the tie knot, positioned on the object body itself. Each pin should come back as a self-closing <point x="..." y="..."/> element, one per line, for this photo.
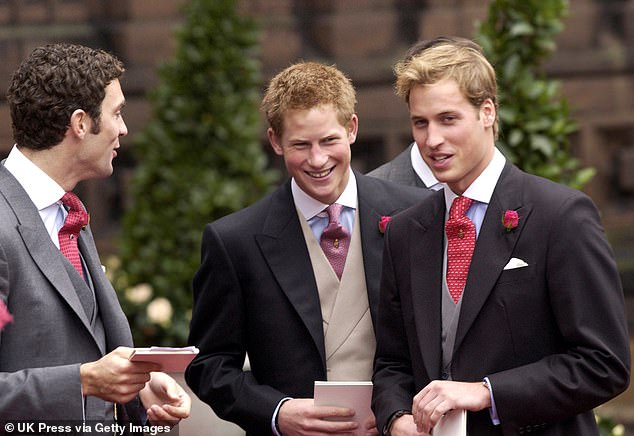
<point x="333" y="211"/>
<point x="72" y="201"/>
<point x="459" y="207"/>
<point x="80" y="216"/>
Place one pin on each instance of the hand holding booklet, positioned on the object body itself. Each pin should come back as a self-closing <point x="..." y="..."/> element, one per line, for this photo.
<point x="171" y="359"/>
<point x="355" y="395"/>
<point x="453" y="423"/>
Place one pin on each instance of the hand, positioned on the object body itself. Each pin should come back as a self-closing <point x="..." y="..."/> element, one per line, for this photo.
<point x="439" y="397"/>
<point x="165" y="400"/>
<point x="405" y="426"/>
<point x="302" y="417"/>
<point x="114" y="377"/>
<point x="370" y="426"/>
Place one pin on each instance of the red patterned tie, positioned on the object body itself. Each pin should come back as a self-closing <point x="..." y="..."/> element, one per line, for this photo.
<point x="460" y="243"/>
<point x="335" y="240"/>
<point x="76" y="219"/>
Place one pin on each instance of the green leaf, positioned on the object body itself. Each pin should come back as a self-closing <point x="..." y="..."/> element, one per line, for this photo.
<point x="542" y="143"/>
<point x="521" y="29"/>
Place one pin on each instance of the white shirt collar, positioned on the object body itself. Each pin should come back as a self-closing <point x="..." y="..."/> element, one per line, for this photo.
<point x="41" y="188"/>
<point x="309" y="207"/>
<point x="483" y="186"/>
<point x="422" y="169"/>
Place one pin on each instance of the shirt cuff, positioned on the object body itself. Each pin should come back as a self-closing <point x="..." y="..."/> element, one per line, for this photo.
<point x="274" y="427"/>
<point x="492" y="410"/>
<point x="387" y="428"/>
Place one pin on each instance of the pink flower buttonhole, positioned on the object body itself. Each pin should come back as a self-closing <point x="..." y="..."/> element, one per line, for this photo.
<point x="383" y="223"/>
<point x="510" y="219"/>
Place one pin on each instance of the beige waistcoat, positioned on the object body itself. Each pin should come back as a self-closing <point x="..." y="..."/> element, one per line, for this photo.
<point x="348" y="332"/>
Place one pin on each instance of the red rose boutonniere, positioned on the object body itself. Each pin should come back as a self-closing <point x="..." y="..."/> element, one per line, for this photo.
<point x="383" y="223"/>
<point x="510" y="219"/>
<point x="5" y="316"/>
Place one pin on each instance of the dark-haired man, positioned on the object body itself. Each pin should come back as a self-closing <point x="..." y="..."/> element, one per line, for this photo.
<point x="65" y="355"/>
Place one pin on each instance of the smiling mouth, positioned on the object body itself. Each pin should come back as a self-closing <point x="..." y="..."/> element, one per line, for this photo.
<point x="320" y="174"/>
<point x="440" y="158"/>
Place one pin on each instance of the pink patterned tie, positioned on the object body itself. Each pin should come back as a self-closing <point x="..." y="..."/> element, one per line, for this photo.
<point x="460" y="243"/>
<point x="76" y="219"/>
<point x="335" y="240"/>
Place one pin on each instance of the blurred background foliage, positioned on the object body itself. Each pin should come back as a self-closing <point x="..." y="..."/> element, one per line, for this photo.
<point x="198" y="159"/>
<point x="535" y="125"/>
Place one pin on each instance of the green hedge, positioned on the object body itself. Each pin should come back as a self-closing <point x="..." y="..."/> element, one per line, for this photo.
<point x="198" y="159"/>
<point x="535" y="124"/>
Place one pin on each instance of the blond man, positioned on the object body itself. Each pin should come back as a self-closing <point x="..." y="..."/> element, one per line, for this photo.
<point x="512" y="310"/>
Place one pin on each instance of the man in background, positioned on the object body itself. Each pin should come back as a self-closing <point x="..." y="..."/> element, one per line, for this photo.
<point x="64" y="356"/>
<point x="293" y="279"/>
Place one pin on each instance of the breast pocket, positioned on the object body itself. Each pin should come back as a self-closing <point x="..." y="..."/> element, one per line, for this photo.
<point x="523" y="273"/>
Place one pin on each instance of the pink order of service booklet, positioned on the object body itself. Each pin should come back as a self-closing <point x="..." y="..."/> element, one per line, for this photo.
<point x="352" y="394"/>
<point x="171" y="359"/>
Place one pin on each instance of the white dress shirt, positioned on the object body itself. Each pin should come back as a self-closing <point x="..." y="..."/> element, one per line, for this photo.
<point x="423" y="171"/>
<point x="314" y="210"/>
<point x="43" y="191"/>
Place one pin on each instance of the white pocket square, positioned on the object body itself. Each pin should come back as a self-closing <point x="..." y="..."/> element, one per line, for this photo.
<point x="515" y="263"/>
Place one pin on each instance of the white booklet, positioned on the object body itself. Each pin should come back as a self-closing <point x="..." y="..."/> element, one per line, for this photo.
<point x="355" y="395"/>
<point x="453" y="423"/>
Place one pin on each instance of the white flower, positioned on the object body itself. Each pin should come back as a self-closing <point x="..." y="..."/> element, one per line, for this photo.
<point x="159" y="311"/>
<point x="139" y="294"/>
<point x="111" y="266"/>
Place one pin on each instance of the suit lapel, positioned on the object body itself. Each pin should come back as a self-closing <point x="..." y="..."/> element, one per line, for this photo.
<point x="49" y="261"/>
<point x="493" y="248"/>
<point x="115" y="324"/>
<point x="371" y="243"/>
<point x="284" y="249"/>
<point x="39" y="245"/>
<point x="52" y="264"/>
<point x="426" y="261"/>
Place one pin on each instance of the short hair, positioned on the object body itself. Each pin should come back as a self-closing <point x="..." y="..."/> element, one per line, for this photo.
<point x="419" y="46"/>
<point x="306" y="85"/>
<point x="53" y="82"/>
<point x="463" y="63"/>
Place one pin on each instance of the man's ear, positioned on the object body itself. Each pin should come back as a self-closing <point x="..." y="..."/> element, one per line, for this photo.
<point x="275" y="142"/>
<point x="79" y="123"/>
<point x="488" y="112"/>
<point x="353" y="128"/>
